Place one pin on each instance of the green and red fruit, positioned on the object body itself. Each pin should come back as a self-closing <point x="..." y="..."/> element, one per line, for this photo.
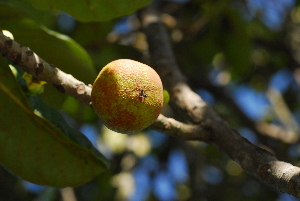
<point x="127" y="96"/>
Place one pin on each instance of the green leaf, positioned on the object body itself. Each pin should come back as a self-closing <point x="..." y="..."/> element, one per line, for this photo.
<point x="236" y="44"/>
<point x="93" y="10"/>
<point x="55" y="48"/>
<point x="44" y="17"/>
<point x="41" y="152"/>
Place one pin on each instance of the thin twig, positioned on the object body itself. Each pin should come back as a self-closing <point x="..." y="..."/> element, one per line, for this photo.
<point x="178" y="129"/>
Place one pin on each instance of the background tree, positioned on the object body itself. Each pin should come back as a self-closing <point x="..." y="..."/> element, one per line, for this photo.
<point x="221" y="61"/>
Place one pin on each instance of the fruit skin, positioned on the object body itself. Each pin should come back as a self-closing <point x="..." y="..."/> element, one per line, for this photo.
<point x="127" y="96"/>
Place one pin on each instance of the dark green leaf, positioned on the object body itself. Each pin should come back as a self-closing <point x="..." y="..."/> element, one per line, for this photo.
<point x="57" y="49"/>
<point x="39" y="151"/>
<point x="93" y="10"/>
<point x="236" y="44"/>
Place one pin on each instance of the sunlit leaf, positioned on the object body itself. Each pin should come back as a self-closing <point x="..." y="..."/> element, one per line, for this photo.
<point x="39" y="151"/>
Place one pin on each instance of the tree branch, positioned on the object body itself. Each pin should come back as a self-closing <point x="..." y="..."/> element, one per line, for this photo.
<point x="163" y="61"/>
<point x="33" y="64"/>
<point x="177" y="129"/>
<point x="263" y="130"/>
<point x="254" y="160"/>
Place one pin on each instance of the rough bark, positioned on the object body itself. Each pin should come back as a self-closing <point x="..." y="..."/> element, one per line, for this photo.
<point x="31" y="63"/>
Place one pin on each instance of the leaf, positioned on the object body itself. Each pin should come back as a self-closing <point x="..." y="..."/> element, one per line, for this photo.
<point x="39" y="151"/>
<point x="55" y="48"/>
<point x="113" y="51"/>
<point x="44" y="17"/>
<point x="93" y="10"/>
<point x="236" y="44"/>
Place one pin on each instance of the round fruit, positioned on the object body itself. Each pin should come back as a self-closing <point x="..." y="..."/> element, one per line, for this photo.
<point x="127" y="96"/>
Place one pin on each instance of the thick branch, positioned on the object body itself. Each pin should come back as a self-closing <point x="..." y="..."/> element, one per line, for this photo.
<point x="33" y="64"/>
<point x="256" y="161"/>
<point x="163" y="61"/>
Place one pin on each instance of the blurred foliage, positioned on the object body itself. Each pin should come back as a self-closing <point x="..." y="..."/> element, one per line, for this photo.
<point x="234" y="54"/>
